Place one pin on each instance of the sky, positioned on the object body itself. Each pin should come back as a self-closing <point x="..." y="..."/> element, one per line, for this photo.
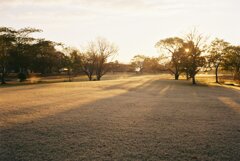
<point x="133" y="25"/>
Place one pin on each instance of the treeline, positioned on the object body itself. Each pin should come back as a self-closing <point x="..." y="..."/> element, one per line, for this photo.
<point x="20" y="53"/>
<point x="23" y="54"/>
<point x="191" y="54"/>
<point x="145" y="64"/>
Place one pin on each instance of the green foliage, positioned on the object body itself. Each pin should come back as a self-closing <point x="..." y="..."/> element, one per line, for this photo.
<point x="217" y="51"/>
<point x="19" y="52"/>
<point x="217" y="54"/>
<point x="7" y="44"/>
<point x="232" y="60"/>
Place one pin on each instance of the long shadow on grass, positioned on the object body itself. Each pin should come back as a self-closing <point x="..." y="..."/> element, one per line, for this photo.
<point x="153" y="120"/>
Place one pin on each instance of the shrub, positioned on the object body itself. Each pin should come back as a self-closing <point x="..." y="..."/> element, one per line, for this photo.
<point x="22" y="77"/>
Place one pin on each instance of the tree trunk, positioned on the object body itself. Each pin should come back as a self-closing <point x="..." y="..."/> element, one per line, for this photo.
<point x="193" y="80"/>
<point x="216" y="73"/>
<point x="3" y="76"/>
<point x="176" y="76"/>
<point x="98" y="77"/>
<point x="236" y="74"/>
<point x="89" y="77"/>
<point x="187" y="76"/>
<point x="69" y="75"/>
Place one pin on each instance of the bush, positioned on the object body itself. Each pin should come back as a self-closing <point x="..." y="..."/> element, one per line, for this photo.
<point x="22" y="77"/>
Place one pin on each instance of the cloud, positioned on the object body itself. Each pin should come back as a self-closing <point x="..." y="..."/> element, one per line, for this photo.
<point x="86" y="10"/>
<point x="86" y="7"/>
<point x="106" y="4"/>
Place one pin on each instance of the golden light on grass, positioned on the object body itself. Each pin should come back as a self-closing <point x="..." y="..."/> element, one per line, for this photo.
<point x="230" y="103"/>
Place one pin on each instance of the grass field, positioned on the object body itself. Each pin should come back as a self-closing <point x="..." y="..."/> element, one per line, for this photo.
<point x="135" y="118"/>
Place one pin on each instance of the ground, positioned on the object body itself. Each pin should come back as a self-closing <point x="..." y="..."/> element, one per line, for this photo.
<point x="135" y="118"/>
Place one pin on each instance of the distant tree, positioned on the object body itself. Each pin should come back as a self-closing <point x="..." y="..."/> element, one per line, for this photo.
<point x="23" y="55"/>
<point x="217" y="54"/>
<point x="170" y="47"/>
<point x="151" y="64"/>
<point x="195" y="48"/>
<point x="114" y="66"/>
<point x="48" y="59"/>
<point x="69" y="65"/>
<point x="96" y="56"/>
<point x="74" y="60"/>
<point x="232" y="60"/>
<point x="120" y="67"/>
<point x="7" y="44"/>
<point x="105" y="50"/>
<point x="89" y="59"/>
<point x="138" y="62"/>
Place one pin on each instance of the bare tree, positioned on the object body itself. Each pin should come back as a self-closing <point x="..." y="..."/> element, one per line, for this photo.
<point x="96" y="56"/>
<point x="196" y="46"/>
<point x="88" y="61"/>
<point x="105" y="50"/>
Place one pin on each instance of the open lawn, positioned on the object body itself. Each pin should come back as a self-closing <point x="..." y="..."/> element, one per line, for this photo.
<point x="135" y="118"/>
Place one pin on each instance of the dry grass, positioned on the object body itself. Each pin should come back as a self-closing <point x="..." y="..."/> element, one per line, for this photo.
<point x="137" y="118"/>
<point x="223" y="79"/>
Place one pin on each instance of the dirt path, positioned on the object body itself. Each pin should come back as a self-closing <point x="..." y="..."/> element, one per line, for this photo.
<point x="139" y="118"/>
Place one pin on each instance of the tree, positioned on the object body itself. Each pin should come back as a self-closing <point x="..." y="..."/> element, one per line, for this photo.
<point x="151" y="64"/>
<point x="217" y="54"/>
<point x="47" y="58"/>
<point x="68" y="64"/>
<point x="171" y="47"/>
<point x="76" y="60"/>
<point x="7" y="43"/>
<point x="72" y="61"/>
<point x="22" y="55"/>
<point x="88" y="61"/>
<point x="137" y="62"/>
<point x="114" y="66"/>
<point x="195" y="48"/>
<point x="184" y="61"/>
<point x="232" y="60"/>
<point x="105" y="50"/>
<point x="96" y="56"/>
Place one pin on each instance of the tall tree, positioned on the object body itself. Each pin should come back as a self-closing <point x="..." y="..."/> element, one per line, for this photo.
<point x="217" y="54"/>
<point x="232" y="60"/>
<point x="195" y="48"/>
<point x="23" y="54"/>
<point x="170" y="47"/>
<point x="47" y="59"/>
<point x="7" y="43"/>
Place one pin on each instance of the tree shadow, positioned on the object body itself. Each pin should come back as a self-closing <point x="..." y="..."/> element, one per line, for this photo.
<point x="144" y="120"/>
